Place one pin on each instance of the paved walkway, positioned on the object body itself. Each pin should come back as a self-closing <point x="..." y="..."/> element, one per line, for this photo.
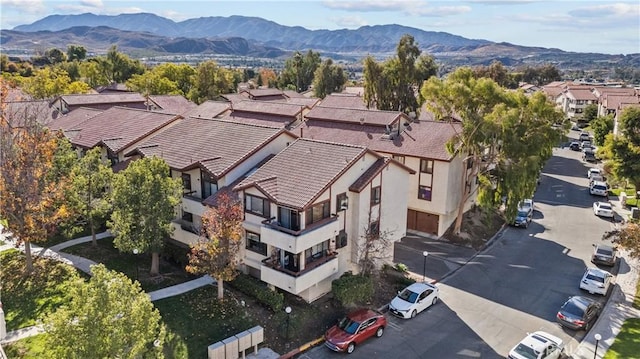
<point x="84" y="264"/>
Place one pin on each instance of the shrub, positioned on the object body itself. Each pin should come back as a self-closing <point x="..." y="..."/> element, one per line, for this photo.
<point x="401" y="267"/>
<point x="255" y="289"/>
<point x="352" y="289"/>
<point x="175" y="253"/>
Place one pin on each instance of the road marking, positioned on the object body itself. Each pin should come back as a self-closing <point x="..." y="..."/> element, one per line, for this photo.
<point x="393" y="325"/>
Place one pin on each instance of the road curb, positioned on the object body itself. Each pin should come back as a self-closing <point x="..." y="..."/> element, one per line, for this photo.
<point x="302" y="348"/>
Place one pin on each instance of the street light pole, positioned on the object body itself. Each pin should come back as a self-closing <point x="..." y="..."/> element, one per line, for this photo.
<point x="136" y="251"/>
<point x="424" y="266"/>
<point x="595" y="352"/>
<point x="288" y="311"/>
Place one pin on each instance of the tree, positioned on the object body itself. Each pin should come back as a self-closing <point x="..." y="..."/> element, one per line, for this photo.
<point x="328" y="78"/>
<point x="152" y="83"/>
<point x="299" y="71"/>
<point x="89" y="196"/>
<point x="211" y="80"/>
<point x="118" y="67"/>
<point x="31" y="192"/>
<point x="392" y="86"/>
<point x="144" y="198"/>
<point x="76" y="52"/>
<point x="628" y="237"/>
<point x="108" y="317"/>
<point x="55" y="56"/>
<point x="268" y="77"/>
<point x="50" y="82"/>
<point x="180" y="74"/>
<point x="623" y="150"/>
<point x="216" y="252"/>
<point x="601" y="127"/>
<point x="505" y="131"/>
<point x="590" y="112"/>
<point x="92" y="73"/>
<point x="542" y="75"/>
<point x="373" y="247"/>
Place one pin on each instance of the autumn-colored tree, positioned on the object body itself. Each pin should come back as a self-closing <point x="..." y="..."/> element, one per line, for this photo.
<point x="623" y="150"/>
<point x="30" y="201"/>
<point x="144" y="198"/>
<point x="628" y="237"/>
<point x="216" y="252"/>
<point x="267" y="77"/>
<point x="90" y="180"/>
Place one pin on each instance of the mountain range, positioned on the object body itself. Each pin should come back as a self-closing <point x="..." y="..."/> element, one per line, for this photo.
<point x="257" y="37"/>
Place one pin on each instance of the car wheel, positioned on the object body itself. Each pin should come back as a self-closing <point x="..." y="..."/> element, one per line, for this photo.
<point x="587" y="326"/>
<point x="413" y="314"/>
<point x="435" y="300"/>
<point x="351" y="347"/>
<point x="379" y="332"/>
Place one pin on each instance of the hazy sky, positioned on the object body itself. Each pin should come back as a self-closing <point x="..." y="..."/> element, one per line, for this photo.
<point x="604" y="26"/>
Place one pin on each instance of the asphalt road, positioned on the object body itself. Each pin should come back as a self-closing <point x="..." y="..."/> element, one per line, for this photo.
<point x="514" y="287"/>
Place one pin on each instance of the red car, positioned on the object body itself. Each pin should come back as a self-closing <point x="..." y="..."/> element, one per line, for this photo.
<point x="354" y="329"/>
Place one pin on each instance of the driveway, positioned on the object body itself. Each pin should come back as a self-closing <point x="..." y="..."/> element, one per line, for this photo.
<point x="514" y="287"/>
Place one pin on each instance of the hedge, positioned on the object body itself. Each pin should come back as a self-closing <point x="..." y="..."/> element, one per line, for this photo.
<point x="253" y="288"/>
<point x="352" y="289"/>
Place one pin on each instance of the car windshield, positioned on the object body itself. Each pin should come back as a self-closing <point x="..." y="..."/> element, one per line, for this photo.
<point x="600" y="187"/>
<point x="604" y="206"/>
<point x="573" y="309"/>
<point x="526" y="352"/>
<point x="348" y="325"/>
<point x="604" y="252"/>
<point x="595" y="278"/>
<point x="522" y="213"/>
<point x="408" y="295"/>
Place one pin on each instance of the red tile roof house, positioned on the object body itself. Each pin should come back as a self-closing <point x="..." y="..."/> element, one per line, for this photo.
<point x="176" y="104"/>
<point x="22" y="112"/>
<point x="309" y="209"/>
<point x="209" y="109"/>
<point x="607" y="106"/>
<point x="209" y="155"/>
<point x="67" y="103"/>
<point x="433" y="192"/>
<point x="117" y="130"/>
<point x="269" y="113"/>
<point x="575" y="99"/>
<point x="632" y="102"/>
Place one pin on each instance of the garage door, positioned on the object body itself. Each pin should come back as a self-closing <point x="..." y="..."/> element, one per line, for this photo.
<point x="422" y="222"/>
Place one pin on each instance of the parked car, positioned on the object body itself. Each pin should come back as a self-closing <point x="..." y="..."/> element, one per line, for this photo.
<point x="604" y="254"/>
<point x="585" y="144"/>
<point x="526" y="205"/>
<point x="414" y="299"/>
<point x="603" y="209"/>
<point x="596" y="281"/>
<point x="584" y="136"/>
<point x="589" y="155"/>
<point x="523" y="217"/>
<point x="593" y="171"/>
<point x="355" y="328"/>
<point x="575" y="146"/>
<point x="538" y="345"/>
<point x="598" y="188"/>
<point x="596" y="177"/>
<point x="578" y="312"/>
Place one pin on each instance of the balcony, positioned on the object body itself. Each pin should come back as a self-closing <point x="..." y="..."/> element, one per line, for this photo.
<point x="274" y="234"/>
<point x="184" y="232"/>
<point x="295" y="282"/>
<point x="193" y="204"/>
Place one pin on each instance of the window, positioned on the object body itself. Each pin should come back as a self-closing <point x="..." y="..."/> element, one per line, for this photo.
<point x="374" y="228"/>
<point x="186" y="182"/>
<point x="187" y="216"/>
<point x="256" y="205"/>
<point x="426" y="166"/>
<point x="254" y="244"/>
<point x="317" y="213"/>
<point x="398" y="158"/>
<point x="341" y="239"/>
<point x="289" y="218"/>
<point x="209" y="185"/>
<point x="424" y="192"/>
<point x="375" y="195"/>
<point x="342" y="202"/>
<point x="317" y="251"/>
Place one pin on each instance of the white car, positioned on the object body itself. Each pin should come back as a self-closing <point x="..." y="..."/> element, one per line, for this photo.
<point x="538" y="345"/>
<point x="596" y="281"/>
<point x="526" y="205"/>
<point x="414" y="299"/>
<point x="592" y="171"/>
<point x="603" y="209"/>
<point x="599" y="188"/>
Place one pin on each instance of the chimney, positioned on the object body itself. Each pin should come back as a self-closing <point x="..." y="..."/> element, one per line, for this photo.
<point x="301" y="132"/>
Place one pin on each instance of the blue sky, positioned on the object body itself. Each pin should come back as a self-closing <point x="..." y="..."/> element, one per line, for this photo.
<point x="604" y="26"/>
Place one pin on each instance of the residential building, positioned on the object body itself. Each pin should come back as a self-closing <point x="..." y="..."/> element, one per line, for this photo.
<point x="176" y="104"/>
<point x="269" y="113"/>
<point x="575" y="99"/>
<point x="67" y="103"/>
<point x="310" y="209"/>
<point x="209" y="155"/>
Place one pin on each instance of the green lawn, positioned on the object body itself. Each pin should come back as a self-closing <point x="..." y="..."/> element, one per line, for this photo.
<point x="197" y="319"/>
<point x="28" y="299"/>
<point x="134" y="266"/>
<point x="627" y="343"/>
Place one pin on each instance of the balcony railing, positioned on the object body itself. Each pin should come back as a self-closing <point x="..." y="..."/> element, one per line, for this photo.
<point x="309" y="266"/>
<point x="273" y="223"/>
<point x="276" y="235"/>
<point x="296" y="282"/>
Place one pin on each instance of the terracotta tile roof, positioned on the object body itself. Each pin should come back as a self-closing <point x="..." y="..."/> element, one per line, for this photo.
<point x="234" y="97"/>
<point x="212" y="144"/>
<point x="121" y="165"/>
<point x="300" y="101"/>
<point x="16" y="94"/>
<point x="424" y="139"/>
<point x="21" y="112"/>
<point x="263" y="92"/>
<point x="113" y="87"/>
<point x="73" y="119"/>
<point x="302" y="171"/>
<point x="293" y="94"/>
<point x="261" y="119"/>
<point x="343" y="101"/>
<point x="612" y="101"/>
<point x="581" y="94"/>
<point x="267" y="107"/>
<point x="213" y="199"/>
<point x="369" y="174"/>
<point x="556" y="84"/>
<point x="356" y="90"/>
<point x="209" y="109"/>
<point x="355" y="116"/>
<point x="552" y="91"/>
<point x="105" y="98"/>
<point x="176" y="104"/>
<point x="119" y="127"/>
